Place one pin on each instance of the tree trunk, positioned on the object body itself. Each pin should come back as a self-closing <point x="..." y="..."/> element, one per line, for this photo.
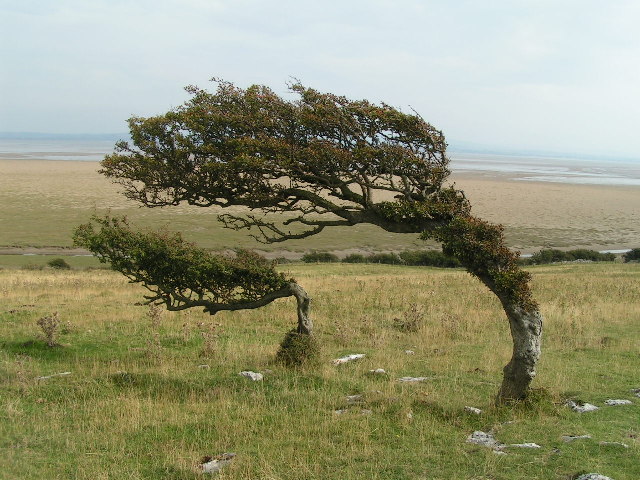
<point x="305" y="325"/>
<point x="526" y="333"/>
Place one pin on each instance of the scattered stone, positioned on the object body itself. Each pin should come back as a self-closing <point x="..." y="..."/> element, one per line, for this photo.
<point x="47" y="377"/>
<point x="355" y="398"/>
<point x="571" y="438"/>
<point x="636" y="391"/>
<point x="500" y="452"/>
<point x="485" y="439"/>
<point x="581" y="407"/>
<point x="214" y="464"/>
<point x="204" y="367"/>
<point x="256" y="377"/>
<point x="618" y="444"/>
<point x="414" y="379"/>
<point x="378" y="371"/>
<point x="409" y="415"/>
<point x="475" y="410"/>
<point x="525" y="445"/>
<point x="593" y="476"/>
<point x="348" y="358"/>
<point x="366" y="411"/>
<point x="611" y="402"/>
<point x="340" y="412"/>
<point x="409" y="352"/>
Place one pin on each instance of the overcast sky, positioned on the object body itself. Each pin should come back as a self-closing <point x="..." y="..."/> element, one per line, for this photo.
<point x="558" y="75"/>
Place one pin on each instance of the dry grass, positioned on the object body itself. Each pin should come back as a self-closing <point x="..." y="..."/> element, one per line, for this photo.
<point x="126" y="413"/>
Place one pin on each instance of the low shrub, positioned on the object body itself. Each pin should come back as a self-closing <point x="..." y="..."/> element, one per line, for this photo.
<point x="632" y="255"/>
<point x="59" y="264"/>
<point x="552" y="255"/>
<point x="297" y="349"/>
<point x="386" y="258"/>
<point x="319" y="257"/>
<point x="429" y="258"/>
<point x="355" y="258"/>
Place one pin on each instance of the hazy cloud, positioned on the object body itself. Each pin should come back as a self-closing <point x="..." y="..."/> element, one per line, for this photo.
<point x="553" y="75"/>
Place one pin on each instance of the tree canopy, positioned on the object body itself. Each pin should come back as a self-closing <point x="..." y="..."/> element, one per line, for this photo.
<point x="182" y="275"/>
<point x="322" y="159"/>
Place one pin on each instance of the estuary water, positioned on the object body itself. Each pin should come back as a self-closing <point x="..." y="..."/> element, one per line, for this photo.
<point x="557" y="169"/>
<point x="520" y="167"/>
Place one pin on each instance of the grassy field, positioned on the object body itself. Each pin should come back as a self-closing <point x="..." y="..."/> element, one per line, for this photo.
<point x="139" y="403"/>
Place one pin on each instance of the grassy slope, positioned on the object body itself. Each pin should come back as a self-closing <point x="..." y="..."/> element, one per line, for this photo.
<point x="138" y="406"/>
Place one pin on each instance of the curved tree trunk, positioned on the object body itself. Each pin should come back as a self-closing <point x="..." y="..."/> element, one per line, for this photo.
<point x="305" y="325"/>
<point x="526" y="333"/>
<point x="480" y="247"/>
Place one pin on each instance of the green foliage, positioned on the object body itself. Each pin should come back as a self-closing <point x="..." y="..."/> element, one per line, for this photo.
<point x="59" y="264"/>
<point x="297" y="349"/>
<point x="386" y="258"/>
<point x="418" y="258"/>
<point x="177" y="272"/>
<point x="429" y="258"/>
<point x="551" y="255"/>
<point x="319" y="257"/>
<point x="320" y="154"/>
<point x="355" y="258"/>
<point x="479" y="246"/>
<point x="632" y="255"/>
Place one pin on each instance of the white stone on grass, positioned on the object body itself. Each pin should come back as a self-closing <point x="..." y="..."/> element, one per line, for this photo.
<point x="475" y="410"/>
<point x="47" y="377"/>
<point x="525" y="445"/>
<point x="612" y="402"/>
<point x="581" y="407"/>
<point x="485" y="439"/>
<point x="255" y="376"/>
<point x="414" y="379"/>
<point x="616" y="444"/>
<point x="214" y="464"/>
<point x="378" y="371"/>
<point x="593" y="476"/>
<point x="348" y="358"/>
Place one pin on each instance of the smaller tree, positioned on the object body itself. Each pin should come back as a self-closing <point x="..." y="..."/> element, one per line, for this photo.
<point x="181" y="275"/>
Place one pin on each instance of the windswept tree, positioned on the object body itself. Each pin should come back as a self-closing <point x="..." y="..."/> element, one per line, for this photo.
<point x="321" y="160"/>
<point x="181" y="275"/>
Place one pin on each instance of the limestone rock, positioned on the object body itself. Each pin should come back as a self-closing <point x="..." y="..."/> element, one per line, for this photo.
<point x="414" y="379"/>
<point x="214" y="464"/>
<point x="612" y="402"/>
<point x="475" y="410"/>
<point x="348" y="358"/>
<point x="485" y="439"/>
<point x="255" y="376"/>
<point x="581" y="407"/>
<point x="593" y="476"/>
<point x="378" y="371"/>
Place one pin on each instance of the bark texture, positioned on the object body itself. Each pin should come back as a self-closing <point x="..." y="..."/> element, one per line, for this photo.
<point x="305" y="324"/>
<point x="526" y="333"/>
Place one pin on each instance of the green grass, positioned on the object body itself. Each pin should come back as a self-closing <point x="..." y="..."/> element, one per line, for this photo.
<point x="138" y="405"/>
